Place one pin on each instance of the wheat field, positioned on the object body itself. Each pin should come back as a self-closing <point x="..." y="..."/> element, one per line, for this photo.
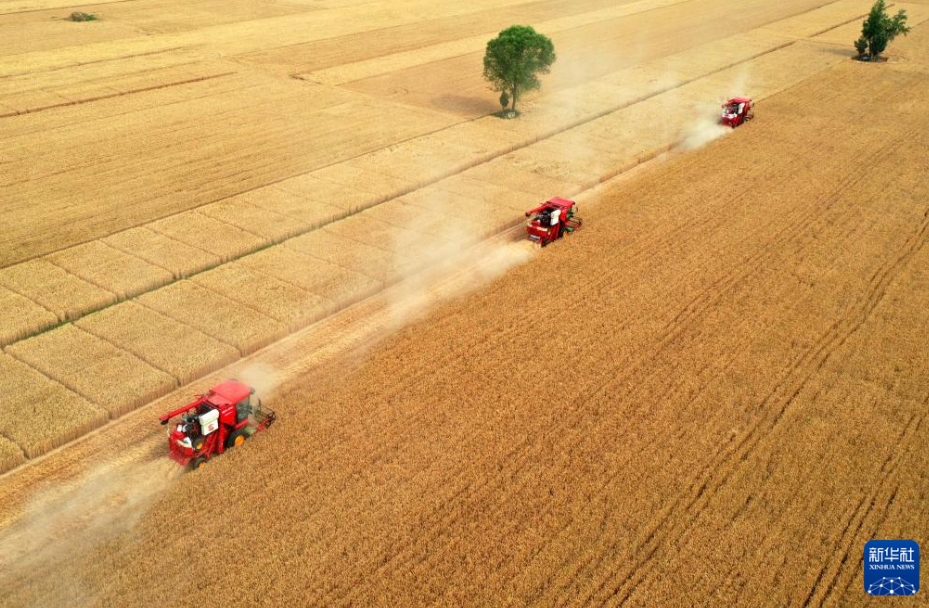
<point x="713" y="394"/>
<point x="383" y="192"/>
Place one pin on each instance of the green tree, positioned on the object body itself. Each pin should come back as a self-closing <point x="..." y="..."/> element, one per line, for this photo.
<point x="504" y="99"/>
<point x="515" y="59"/>
<point x="861" y="45"/>
<point x="879" y="29"/>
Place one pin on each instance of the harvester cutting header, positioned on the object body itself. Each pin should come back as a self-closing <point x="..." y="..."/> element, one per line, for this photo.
<point x="220" y="419"/>
<point x="553" y="220"/>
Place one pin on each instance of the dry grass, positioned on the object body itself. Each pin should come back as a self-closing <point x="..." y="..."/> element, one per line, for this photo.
<point x="338" y="286"/>
<point x="215" y="315"/>
<point x="55" y="289"/>
<point x="21" y="317"/>
<point x="108" y="376"/>
<point x="163" y="343"/>
<point x="40" y="414"/>
<point x="180" y="259"/>
<point x="111" y="269"/>
<point x="289" y="304"/>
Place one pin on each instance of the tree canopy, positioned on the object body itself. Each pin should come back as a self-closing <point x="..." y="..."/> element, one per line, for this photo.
<point x="515" y="59"/>
<point x="879" y="30"/>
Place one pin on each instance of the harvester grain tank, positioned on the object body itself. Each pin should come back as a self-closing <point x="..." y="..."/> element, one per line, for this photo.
<point x="215" y="421"/>
<point x="552" y="220"/>
<point x="736" y="111"/>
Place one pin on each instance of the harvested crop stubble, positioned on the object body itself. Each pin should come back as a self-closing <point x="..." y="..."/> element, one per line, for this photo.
<point x="215" y="315"/>
<point x="283" y="301"/>
<point x="351" y="254"/>
<point x="265" y="221"/>
<point x="179" y="258"/>
<point x="11" y="455"/>
<point x="54" y="288"/>
<point x="109" y="376"/>
<point x="211" y="235"/>
<point x="21" y="317"/>
<point x="163" y="343"/>
<point x="339" y="286"/>
<point x="110" y="268"/>
<point x="40" y="414"/>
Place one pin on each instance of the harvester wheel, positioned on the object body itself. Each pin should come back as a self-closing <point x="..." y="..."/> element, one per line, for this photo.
<point x="198" y="463"/>
<point x="236" y="439"/>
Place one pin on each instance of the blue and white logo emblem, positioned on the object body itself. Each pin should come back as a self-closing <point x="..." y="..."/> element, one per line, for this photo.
<point x="891" y="567"/>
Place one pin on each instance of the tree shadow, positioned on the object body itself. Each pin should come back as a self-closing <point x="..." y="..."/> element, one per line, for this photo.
<point x="471" y="107"/>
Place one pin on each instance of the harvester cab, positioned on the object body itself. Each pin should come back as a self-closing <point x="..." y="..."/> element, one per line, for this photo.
<point x="736" y="111"/>
<point x="552" y="220"/>
<point x="222" y="418"/>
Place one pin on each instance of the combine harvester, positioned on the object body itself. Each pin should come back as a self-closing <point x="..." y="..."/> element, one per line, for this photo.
<point x="553" y="220"/>
<point x="737" y="111"/>
<point x="222" y="418"/>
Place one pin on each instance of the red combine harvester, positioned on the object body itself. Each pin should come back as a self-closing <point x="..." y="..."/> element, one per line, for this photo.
<point x="736" y="111"/>
<point x="216" y="421"/>
<point x="553" y="219"/>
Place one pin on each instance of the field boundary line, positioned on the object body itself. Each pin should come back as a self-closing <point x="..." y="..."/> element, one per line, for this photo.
<point x="112" y="95"/>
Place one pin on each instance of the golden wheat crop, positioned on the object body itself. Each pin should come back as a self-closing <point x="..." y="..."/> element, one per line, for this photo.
<point x="179" y="258"/>
<point x="111" y="269"/>
<point x="211" y="235"/>
<point x="716" y="390"/>
<point x="338" y="286"/>
<point x="166" y="344"/>
<point x="379" y="186"/>
<point x="286" y="302"/>
<point x="311" y="194"/>
<point x="108" y="376"/>
<point x="11" y="455"/>
<point x="215" y="315"/>
<point x="266" y="221"/>
<point x="54" y="288"/>
<point x="20" y="317"/>
<point x="40" y="414"/>
<point x="355" y="255"/>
